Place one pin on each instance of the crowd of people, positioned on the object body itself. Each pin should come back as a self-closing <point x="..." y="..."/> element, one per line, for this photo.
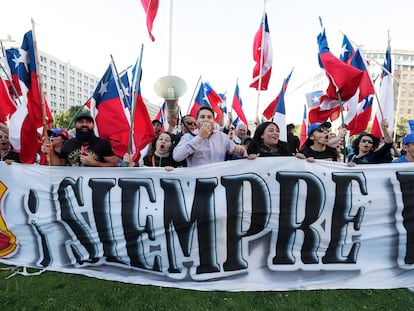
<point x="201" y="141"/>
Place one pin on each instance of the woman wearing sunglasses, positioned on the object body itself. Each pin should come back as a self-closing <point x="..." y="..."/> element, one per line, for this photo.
<point x="367" y="150"/>
<point x="317" y="145"/>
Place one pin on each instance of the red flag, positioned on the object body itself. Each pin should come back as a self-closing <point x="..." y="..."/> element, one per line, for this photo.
<point x="270" y="111"/>
<point x="360" y="118"/>
<point x="28" y="117"/>
<point x="343" y="78"/>
<point x="237" y="105"/>
<point x="7" y="105"/>
<point x="206" y="96"/>
<point x="143" y="129"/>
<point x="151" y="9"/>
<point x="264" y="60"/>
<point x="304" y="129"/>
<point x="328" y="108"/>
<point x="110" y="114"/>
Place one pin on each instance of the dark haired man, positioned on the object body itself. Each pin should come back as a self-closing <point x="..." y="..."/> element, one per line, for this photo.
<point x="208" y="145"/>
<point x="86" y="149"/>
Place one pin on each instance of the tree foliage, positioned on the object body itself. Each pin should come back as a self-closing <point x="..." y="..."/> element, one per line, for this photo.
<point x="65" y="119"/>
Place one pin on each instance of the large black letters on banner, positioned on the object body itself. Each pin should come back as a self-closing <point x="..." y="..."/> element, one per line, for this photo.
<point x="407" y="189"/>
<point x="261" y="209"/>
<point x="341" y="217"/>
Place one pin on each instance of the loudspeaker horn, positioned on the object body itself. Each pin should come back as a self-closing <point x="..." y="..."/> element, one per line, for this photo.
<point x="170" y="87"/>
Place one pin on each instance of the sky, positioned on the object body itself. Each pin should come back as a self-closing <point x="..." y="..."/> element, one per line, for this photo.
<point x="211" y="39"/>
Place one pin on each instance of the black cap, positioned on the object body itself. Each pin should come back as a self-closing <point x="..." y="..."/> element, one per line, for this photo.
<point x="84" y="115"/>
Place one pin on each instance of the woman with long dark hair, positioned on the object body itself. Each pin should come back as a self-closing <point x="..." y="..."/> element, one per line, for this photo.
<point x="266" y="142"/>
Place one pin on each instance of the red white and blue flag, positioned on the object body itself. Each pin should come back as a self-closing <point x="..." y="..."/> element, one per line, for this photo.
<point x="262" y="55"/>
<point x="28" y="118"/>
<point x="237" y="105"/>
<point x="278" y="115"/>
<point x="151" y="9"/>
<point x="347" y="50"/>
<point x="270" y="110"/>
<point x="304" y="128"/>
<point x="143" y="130"/>
<point x="206" y="96"/>
<point x="386" y="97"/>
<point x="110" y="111"/>
<point x="343" y="78"/>
<point x="344" y="81"/>
<point x="161" y="115"/>
<point x="360" y="106"/>
<point x="313" y="98"/>
<point x="7" y="104"/>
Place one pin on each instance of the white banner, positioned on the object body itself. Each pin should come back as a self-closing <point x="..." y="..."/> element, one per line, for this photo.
<point x="268" y="224"/>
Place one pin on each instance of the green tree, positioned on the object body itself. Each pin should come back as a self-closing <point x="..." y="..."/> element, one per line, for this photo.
<point x="65" y="119"/>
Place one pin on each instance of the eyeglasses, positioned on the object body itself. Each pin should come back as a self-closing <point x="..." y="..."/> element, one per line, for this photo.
<point x="322" y="129"/>
<point x="366" y="141"/>
<point x="189" y="123"/>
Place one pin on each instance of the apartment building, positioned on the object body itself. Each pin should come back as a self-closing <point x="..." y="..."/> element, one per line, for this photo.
<point x="402" y="62"/>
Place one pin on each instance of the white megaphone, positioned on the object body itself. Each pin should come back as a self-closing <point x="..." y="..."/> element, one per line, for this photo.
<point x="171" y="88"/>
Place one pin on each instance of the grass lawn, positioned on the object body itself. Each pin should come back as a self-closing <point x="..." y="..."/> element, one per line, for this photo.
<point x="59" y="291"/>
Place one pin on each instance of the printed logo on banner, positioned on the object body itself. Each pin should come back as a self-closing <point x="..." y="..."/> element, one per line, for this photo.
<point x="7" y="238"/>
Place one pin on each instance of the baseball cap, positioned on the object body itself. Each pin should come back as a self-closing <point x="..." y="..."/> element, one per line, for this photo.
<point x="317" y="125"/>
<point x="59" y="131"/>
<point x="409" y="138"/>
<point x="84" y="115"/>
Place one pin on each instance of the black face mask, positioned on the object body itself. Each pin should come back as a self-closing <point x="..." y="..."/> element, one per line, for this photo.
<point x="84" y="136"/>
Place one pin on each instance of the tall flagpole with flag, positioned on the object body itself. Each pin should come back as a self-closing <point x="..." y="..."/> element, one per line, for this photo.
<point x="263" y="56"/>
<point x="40" y="82"/>
<point x="386" y="96"/>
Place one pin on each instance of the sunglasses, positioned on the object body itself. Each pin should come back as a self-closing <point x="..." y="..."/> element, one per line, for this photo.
<point x="322" y="129"/>
<point x="366" y="141"/>
<point x="190" y="123"/>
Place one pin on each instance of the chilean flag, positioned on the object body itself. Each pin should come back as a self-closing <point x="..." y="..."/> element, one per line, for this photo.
<point x="263" y="41"/>
<point x="386" y="97"/>
<point x="28" y="117"/>
<point x="279" y="112"/>
<point x="161" y="116"/>
<point x="270" y="111"/>
<point x="343" y="78"/>
<point x="304" y="129"/>
<point x="206" y="96"/>
<point x="7" y="105"/>
<point x="143" y="130"/>
<point x="347" y="50"/>
<point x="237" y="105"/>
<point x="111" y="113"/>
<point x="360" y="106"/>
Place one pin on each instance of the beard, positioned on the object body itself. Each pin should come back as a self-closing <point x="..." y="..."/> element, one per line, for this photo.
<point x="84" y="136"/>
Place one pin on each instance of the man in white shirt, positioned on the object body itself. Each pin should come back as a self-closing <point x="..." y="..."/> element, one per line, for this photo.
<point x="208" y="145"/>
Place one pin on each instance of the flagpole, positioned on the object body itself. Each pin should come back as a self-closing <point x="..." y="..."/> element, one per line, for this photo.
<point x="119" y="82"/>
<point x="40" y="83"/>
<point x="170" y="37"/>
<point x="192" y="96"/>
<point x="11" y="83"/>
<point x="259" y="85"/>
<point x="77" y="113"/>
<point x="137" y="77"/>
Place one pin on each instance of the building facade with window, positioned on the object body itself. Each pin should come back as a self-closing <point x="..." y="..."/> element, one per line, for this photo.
<point x="402" y="64"/>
